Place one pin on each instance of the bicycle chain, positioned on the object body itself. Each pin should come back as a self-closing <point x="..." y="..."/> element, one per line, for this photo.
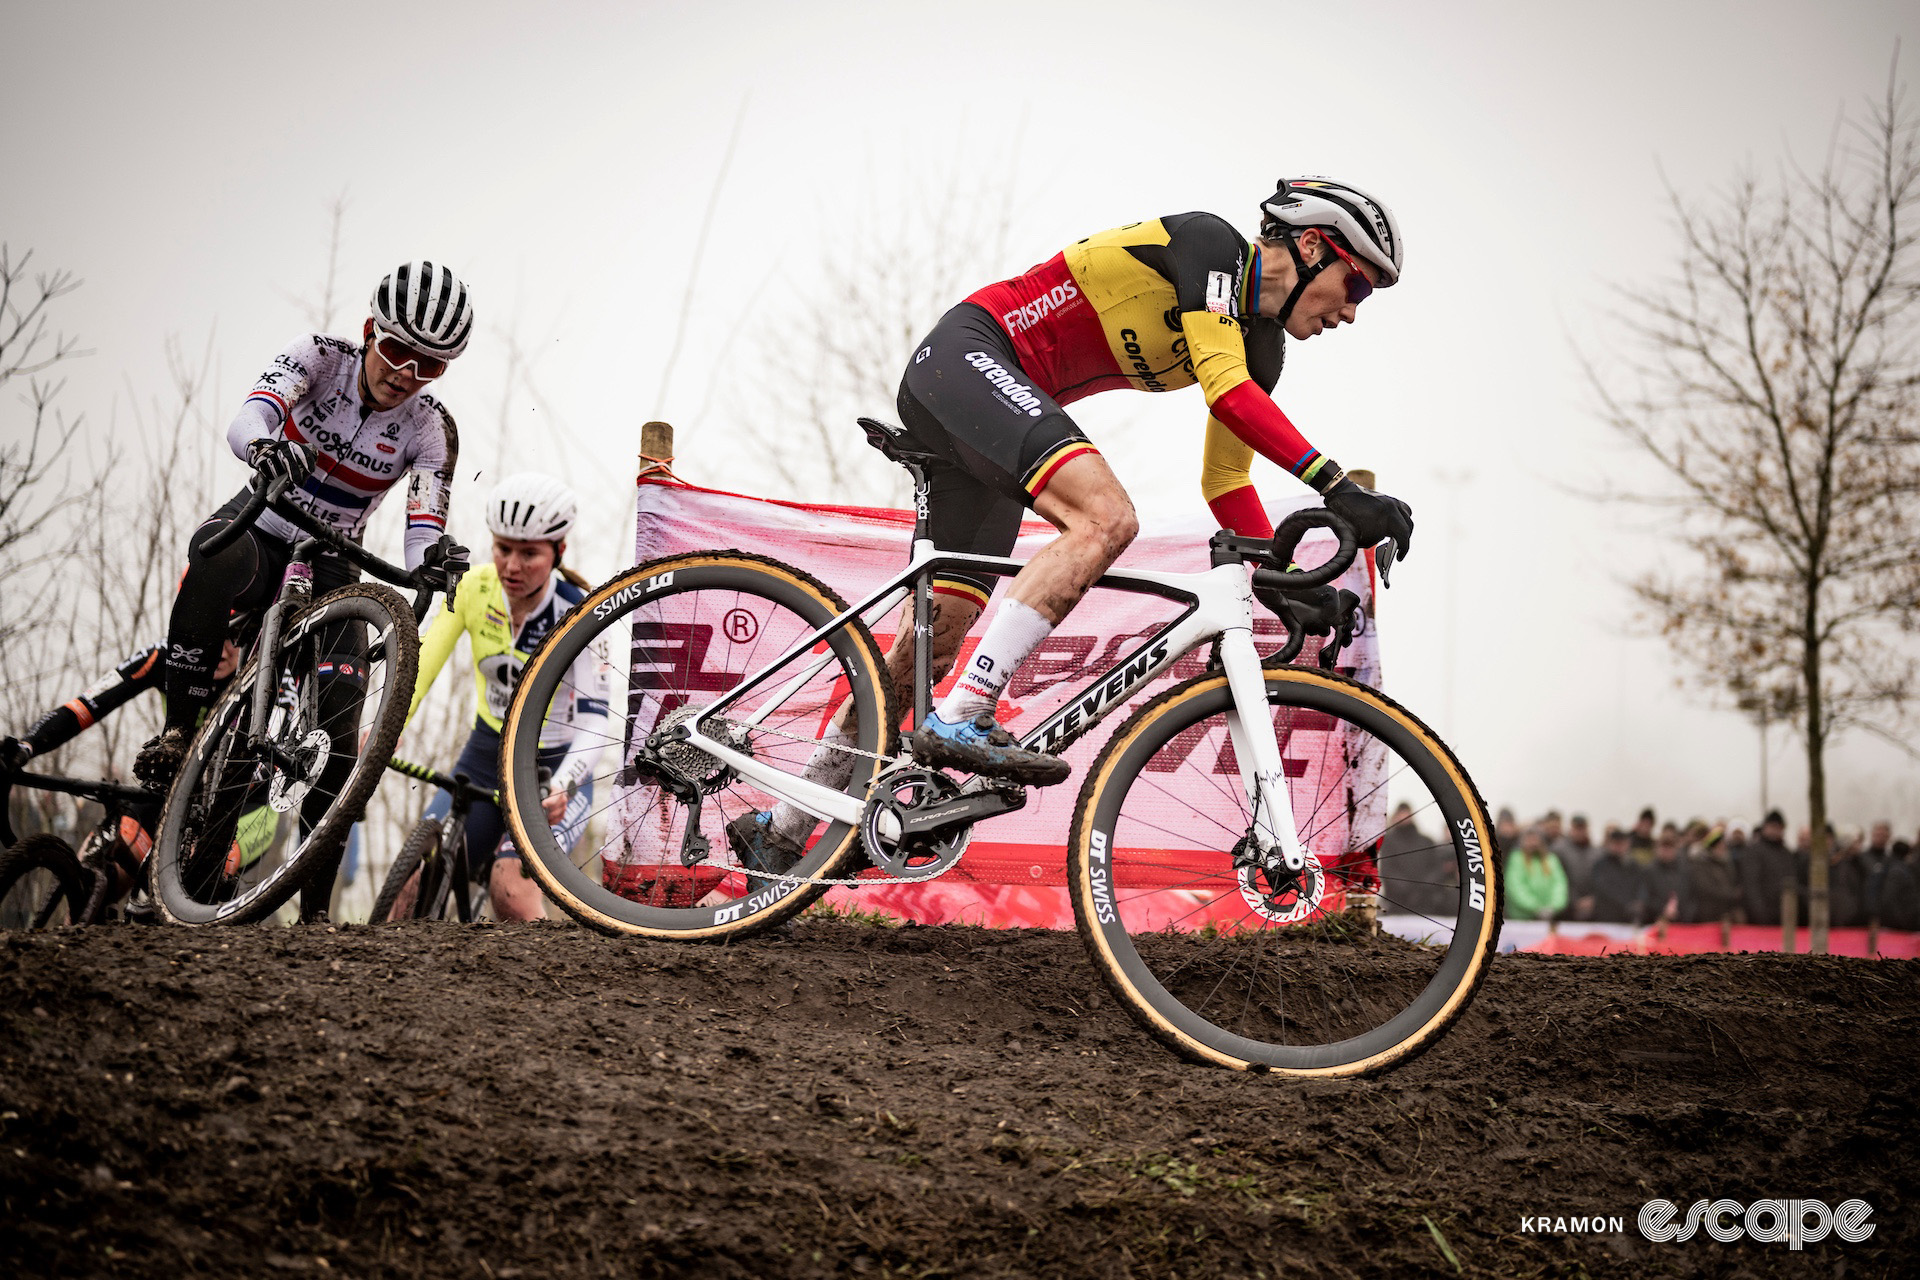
<point x="836" y="881"/>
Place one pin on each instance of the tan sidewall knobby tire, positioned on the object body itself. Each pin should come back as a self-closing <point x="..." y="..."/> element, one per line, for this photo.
<point x="1185" y="1032"/>
<point x="862" y="663"/>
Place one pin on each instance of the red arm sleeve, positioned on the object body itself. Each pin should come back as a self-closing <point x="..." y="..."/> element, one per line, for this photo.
<point x="1241" y="511"/>
<point x="1251" y="414"/>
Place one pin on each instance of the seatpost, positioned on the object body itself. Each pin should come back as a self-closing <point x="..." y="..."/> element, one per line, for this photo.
<point x="922" y="601"/>
<point x="920" y="511"/>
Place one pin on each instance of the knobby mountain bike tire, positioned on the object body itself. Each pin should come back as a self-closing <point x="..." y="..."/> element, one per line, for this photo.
<point x="677" y="633"/>
<point x="198" y="877"/>
<point x="42" y="884"/>
<point x="1234" y="965"/>
<point x="421" y="842"/>
<point x="437" y="886"/>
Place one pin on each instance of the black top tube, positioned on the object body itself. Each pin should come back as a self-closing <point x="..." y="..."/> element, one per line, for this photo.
<point x="113" y="796"/>
<point x="456" y="786"/>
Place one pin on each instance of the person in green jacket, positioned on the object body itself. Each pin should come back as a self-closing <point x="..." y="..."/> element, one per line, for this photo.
<point x="1536" y="882"/>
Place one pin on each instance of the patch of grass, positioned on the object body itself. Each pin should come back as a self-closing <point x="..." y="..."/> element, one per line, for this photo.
<point x="1189" y="1178"/>
<point x="825" y="910"/>
<point x="1315" y="1207"/>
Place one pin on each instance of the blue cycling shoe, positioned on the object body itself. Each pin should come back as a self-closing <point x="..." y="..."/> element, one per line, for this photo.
<point x="981" y="746"/>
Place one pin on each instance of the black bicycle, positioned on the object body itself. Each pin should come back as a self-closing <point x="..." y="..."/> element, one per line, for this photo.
<point x="44" y="884"/>
<point x="436" y="852"/>
<point x="267" y="742"/>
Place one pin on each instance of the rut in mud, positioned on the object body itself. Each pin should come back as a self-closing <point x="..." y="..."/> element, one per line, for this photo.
<point x="431" y="1100"/>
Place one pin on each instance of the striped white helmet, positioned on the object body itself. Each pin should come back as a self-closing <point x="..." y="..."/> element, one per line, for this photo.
<point x="426" y="306"/>
<point x="531" y="507"/>
<point x="1366" y="226"/>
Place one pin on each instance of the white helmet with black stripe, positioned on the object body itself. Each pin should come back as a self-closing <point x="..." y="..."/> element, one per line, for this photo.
<point x="1364" y="225"/>
<point x="426" y="306"/>
<point x="531" y="507"/>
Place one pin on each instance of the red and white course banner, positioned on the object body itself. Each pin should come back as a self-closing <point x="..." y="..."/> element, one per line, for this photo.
<point x="1014" y="872"/>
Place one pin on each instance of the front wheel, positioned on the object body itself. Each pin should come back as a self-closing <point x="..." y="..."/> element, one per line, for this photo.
<point x="343" y="678"/>
<point x="415" y="876"/>
<point x="1354" y="964"/>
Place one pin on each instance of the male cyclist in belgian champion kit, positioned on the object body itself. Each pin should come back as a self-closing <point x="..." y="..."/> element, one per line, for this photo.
<point x="341" y="422"/>
<point x="1154" y="306"/>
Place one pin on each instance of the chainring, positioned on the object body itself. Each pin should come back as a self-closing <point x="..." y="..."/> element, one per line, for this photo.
<point x="900" y="792"/>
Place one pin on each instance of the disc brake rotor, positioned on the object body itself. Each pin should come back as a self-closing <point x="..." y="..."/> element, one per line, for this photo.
<point x="286" y="791"/>
<point x="1272" y="891"/>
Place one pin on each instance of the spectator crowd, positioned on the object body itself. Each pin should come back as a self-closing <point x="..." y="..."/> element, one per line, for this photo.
<point x="1653" y="872"/>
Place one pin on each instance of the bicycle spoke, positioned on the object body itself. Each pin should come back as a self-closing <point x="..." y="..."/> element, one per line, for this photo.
<point x="1238" y="954"/>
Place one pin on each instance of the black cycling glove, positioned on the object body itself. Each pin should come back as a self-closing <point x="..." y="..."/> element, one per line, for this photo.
<point x="1373" y="516"/>
<point x="442" y="566"/>
<point x="281" y="460"/>
<point x="14" y="753"/>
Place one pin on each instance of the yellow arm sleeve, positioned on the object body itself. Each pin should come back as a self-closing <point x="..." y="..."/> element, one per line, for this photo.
<point x="1218" y="350"/>
<point x="1226" y="461"/>
<point x="436" y="646"/>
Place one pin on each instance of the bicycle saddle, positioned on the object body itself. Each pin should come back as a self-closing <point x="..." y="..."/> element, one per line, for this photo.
<point x="892" y="441"/>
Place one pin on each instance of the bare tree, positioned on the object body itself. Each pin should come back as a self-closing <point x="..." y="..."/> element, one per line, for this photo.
<point x="33" y="488"/>
<point x="133" y="539"/>
<point x="1775" y="391"/>
<point x="323" y="304"/>
<point x="836" y="352"/>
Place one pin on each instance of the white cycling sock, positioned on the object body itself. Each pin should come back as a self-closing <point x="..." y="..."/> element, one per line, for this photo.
<point x="1015" y="632"/>
<point x="829" y="766"/>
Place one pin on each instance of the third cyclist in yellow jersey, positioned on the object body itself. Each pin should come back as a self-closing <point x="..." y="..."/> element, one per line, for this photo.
<point x="505" y="609"/>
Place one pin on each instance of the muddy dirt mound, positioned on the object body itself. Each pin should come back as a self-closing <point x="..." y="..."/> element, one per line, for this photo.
<point x="431" y="1100"/>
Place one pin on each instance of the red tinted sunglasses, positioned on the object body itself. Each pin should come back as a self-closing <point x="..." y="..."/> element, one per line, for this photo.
<point x="399" y="355"/>
<point x="1359" y="288"/>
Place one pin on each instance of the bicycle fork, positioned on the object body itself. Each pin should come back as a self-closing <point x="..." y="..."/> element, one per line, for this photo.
<point x="1257" y="749"/>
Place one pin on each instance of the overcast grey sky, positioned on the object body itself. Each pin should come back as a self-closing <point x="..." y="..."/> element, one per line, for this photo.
<point x="181" y="159"/>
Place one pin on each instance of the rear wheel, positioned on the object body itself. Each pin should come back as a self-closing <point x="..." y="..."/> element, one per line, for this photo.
<point x="1231" y="962"/>
<point x="220" y="856"/>
<point x="42" y="885"/>
<point x="674" y="635"/>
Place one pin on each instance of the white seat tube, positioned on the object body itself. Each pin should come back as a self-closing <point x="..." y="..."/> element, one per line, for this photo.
<point x="1257" y="749"/>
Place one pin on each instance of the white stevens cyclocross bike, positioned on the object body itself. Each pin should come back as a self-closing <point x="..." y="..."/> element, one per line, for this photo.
<point x="1223" y="839"/>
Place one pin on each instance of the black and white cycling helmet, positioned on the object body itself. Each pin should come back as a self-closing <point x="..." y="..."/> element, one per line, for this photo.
<point x="531" y="507"/>
<point x="425" y="306"/>
<point x="1366" y="226"/>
